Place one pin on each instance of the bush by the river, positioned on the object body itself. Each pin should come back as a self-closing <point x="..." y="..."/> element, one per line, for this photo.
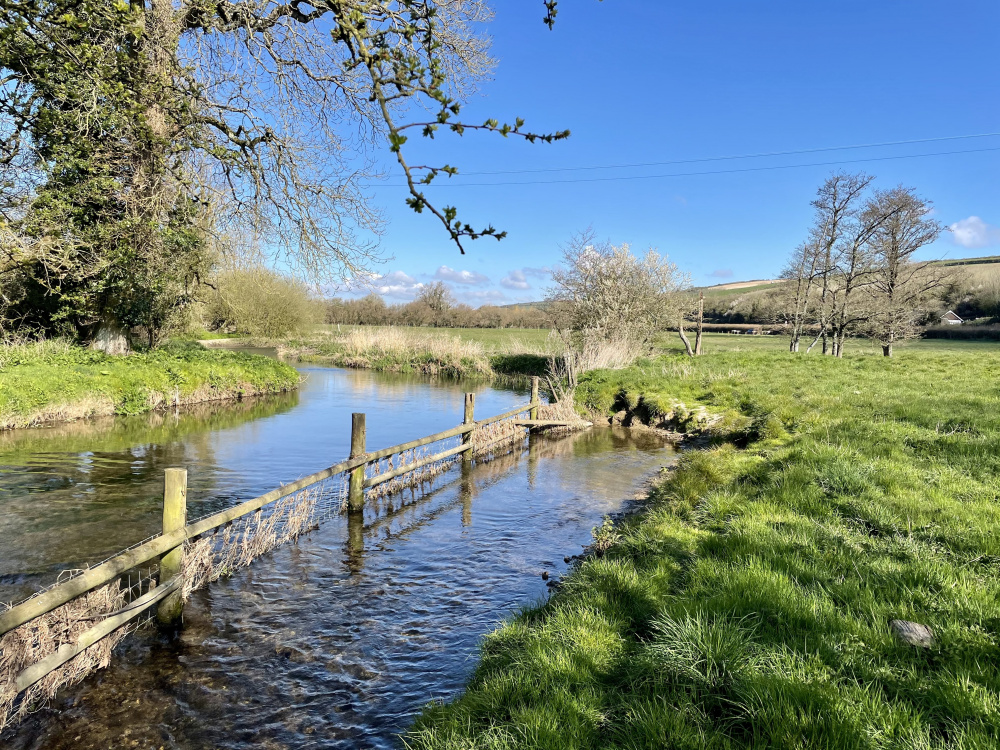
<point x="261" y="303"/>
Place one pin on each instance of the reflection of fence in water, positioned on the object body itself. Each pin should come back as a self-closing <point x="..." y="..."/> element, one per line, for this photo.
<point x="61" y="634"/>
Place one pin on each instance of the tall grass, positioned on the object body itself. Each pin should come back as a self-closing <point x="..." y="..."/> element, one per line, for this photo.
<point x="428" y="351"/>
<point x="749" y="606"/>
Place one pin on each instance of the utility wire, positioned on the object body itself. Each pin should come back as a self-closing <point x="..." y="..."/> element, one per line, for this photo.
<point x="717" y="171"/>
<point x="742" y="156"/>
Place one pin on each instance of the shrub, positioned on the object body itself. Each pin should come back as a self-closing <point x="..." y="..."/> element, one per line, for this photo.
<point x="261" y="302"/>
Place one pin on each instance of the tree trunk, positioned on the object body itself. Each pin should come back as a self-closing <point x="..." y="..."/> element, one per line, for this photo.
<point x="701" y="320"/>
<point x="110" y="338"/>
<point x="886" y="350"/>
<point x="687" y="344"/>
<point x="814" y="342"/>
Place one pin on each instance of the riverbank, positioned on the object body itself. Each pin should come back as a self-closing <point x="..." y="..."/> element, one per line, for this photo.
<point x="54" y="381"/>
<point x="749" y="605"/>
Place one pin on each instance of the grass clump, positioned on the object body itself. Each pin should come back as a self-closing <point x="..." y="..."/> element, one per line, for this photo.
<point x="56" y="381"/>
<point x="748" y="607"/>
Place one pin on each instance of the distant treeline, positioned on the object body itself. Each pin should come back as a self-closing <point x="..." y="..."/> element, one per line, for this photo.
<point x="439" y="310"/>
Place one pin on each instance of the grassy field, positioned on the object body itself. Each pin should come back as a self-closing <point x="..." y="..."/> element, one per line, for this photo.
<point x="54" y="381"/>
<point x="534" y="340"/>
<point x="749" y="605"/>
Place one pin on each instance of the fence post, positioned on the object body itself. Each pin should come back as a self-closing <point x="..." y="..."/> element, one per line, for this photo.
<point x="169" y="611"/>
<point x="470" y="408"/>
<point x="356" y="485"/>
<point x="533" y="413"/>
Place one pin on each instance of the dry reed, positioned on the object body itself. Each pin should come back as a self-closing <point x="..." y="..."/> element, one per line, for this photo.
<point x="208" y="559"/>
<point x="418" y="476"/>
<point x="394" y="348"/>
<point x="238" y="544"/>
<point x="41" y="637"/>
<point x="496" y="438"/>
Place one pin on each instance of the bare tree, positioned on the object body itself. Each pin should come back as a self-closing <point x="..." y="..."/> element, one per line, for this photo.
<point x="802" y="273"/>
<point x="837" y="202"/>
<point x="437" y="297"/>
<point x="701" y="324"/>
<point x="854" y="270"/>
<point x="899" y="285"/>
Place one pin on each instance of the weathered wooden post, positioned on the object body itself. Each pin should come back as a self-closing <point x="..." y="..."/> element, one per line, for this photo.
<point x="470" y="417"/>
<point x="174" y="517"/>
<point x="356" y="483"/>
<point x="533" y="413"/>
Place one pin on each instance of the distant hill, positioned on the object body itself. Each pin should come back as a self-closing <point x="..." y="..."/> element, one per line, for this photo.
<point x="741" y="284"/>
<point x="986" y="260"/>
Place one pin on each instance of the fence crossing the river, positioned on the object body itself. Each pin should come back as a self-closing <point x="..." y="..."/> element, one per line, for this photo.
<point x="47" y="632"/>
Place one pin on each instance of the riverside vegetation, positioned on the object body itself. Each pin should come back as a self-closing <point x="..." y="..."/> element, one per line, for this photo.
<point x="749" y="604"/>
<point x="51" y="381"/>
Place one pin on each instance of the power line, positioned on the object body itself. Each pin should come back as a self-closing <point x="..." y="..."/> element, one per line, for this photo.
<point x="717" y="171"/>
<point x="741" y="156"/>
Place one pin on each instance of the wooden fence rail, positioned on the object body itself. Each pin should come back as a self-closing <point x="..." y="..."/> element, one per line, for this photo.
<point x="168" y="546"/>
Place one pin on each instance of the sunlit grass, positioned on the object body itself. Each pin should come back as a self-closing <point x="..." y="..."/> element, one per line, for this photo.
<point x="749" y="606"/>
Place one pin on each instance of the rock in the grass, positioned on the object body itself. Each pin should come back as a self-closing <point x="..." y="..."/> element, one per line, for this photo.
<point x="912" y="633"/>
<point x="619" y="418"/>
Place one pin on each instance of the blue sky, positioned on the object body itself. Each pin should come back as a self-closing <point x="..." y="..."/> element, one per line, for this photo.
<point x="643" y="81"/>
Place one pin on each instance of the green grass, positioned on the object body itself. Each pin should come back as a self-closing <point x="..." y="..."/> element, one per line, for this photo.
<point x="55" y="381"/>
<point x="748" y="606"/>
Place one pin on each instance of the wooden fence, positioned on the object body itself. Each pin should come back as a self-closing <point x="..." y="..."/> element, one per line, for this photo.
<point x="168" y="546"/>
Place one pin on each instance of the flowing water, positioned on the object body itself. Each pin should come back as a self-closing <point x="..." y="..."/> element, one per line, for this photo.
<point x="336" y="640"/>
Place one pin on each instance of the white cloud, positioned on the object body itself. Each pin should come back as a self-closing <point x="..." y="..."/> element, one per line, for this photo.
<point x="396" y="284"/>
<point x="515" y="280"/>
<point x="974" y="233"/>
<point x="471" y="278"/>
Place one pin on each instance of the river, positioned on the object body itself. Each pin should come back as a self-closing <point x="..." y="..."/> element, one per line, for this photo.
<point x="336" y="640"/>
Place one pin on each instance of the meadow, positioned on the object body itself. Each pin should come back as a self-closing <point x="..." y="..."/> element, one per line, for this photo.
<point x="442" y="350"/>
<point x="748" y="605"/>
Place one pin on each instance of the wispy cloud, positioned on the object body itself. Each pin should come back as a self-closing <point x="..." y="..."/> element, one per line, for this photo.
<point x="722" y="273"/>
<point x="538" y="273"/>
<point x="974" y="233"/>
<point x="515" y="280"/>
<point x="470" y="278"/>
